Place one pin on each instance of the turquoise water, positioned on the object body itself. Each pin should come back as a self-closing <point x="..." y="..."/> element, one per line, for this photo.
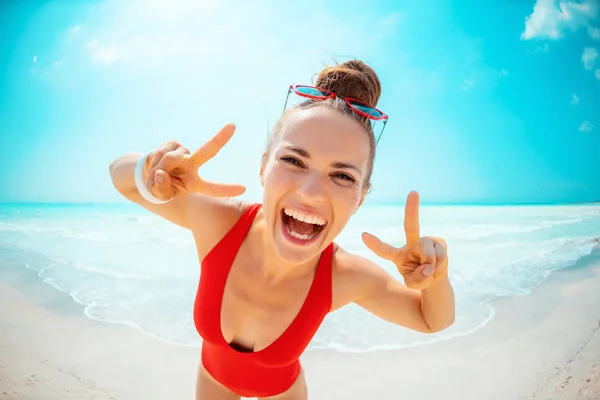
<point x="127" y="266"/>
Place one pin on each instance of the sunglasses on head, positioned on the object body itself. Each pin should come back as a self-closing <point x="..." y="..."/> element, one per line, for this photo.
<point x="359" y="107"/>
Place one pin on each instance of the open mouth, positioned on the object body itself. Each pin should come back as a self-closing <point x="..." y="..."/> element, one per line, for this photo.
<point x="301" y="226"/>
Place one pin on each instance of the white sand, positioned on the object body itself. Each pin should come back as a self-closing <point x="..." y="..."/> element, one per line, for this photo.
<point x="542" y="346"/>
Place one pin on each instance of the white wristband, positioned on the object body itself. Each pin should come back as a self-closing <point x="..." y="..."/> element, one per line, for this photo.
<point x="141" y="185"/>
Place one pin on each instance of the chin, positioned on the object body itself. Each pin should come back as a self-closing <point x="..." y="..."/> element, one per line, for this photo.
<point x="300" y="235"/>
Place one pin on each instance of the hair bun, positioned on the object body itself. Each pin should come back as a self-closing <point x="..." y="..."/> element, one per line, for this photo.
<point x="353" y="79"/>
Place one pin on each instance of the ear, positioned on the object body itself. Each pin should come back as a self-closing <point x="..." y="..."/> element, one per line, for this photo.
<point x="361" y="201"/>
<point x="263" y="164"/>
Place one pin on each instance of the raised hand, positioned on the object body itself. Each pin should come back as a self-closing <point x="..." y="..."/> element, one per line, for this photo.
<point x="422" y="260"/>
<point x="172" y="171"/>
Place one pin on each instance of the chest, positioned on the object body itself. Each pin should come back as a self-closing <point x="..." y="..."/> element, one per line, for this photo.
<point x="255" y="313"/>
<point x="239" y="308"/>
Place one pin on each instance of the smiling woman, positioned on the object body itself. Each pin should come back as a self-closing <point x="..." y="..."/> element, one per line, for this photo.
<point x="271" y="272"/>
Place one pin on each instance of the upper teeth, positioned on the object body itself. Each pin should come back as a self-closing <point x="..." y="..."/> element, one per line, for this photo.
<point x="300" y="216"/>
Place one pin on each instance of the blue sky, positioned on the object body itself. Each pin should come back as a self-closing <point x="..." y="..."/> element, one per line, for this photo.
<point x="489" y="101"/>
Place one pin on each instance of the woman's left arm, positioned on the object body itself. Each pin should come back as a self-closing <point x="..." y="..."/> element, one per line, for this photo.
<point x="437" y="304"/>
<point x="427" y="310"/>
<point x="426" y="302"/>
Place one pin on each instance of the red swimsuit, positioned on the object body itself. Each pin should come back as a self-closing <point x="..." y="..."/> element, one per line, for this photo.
<point x="266" y="372"/>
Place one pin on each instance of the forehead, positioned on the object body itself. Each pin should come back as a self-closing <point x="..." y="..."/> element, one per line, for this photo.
<point x="325" y="132"/>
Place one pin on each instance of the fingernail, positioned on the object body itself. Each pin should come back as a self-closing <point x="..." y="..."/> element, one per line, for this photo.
<point x="428" y="270"/>
<point x="159" y="178"/>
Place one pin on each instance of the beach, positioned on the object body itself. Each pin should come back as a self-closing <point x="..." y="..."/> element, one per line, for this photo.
<point x="544" y="345"/>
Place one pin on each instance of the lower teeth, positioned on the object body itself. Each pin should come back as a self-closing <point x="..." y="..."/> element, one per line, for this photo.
<point x="298" y="235"/>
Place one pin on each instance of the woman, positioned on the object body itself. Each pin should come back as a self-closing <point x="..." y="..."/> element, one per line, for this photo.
<point x="271" y="271"/>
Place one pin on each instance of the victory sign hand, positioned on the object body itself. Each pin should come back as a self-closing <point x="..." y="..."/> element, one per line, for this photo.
<point x="422" y="260"/>
<point x="172" y="171"/>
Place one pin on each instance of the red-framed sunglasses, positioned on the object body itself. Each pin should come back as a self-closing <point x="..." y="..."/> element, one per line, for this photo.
<point x="359" y="107"/>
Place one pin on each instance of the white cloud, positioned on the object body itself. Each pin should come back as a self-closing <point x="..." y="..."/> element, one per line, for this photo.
<point x="574" y="99"/>
<point x="594" y="32"/>
<point x="467" y="84"/>
<point x="552" y="19"/>
<point x="597" y="73"/>
<point x="102" y="53"/>
<point x="503" y="72"/>
<point x="75" y="29"/>
<point x="589" y="57"/>
<point x="59" y="63"/>
<point x="586" y="126"/>
<point x="540" y="49"/>
<point x="34" y="60"/>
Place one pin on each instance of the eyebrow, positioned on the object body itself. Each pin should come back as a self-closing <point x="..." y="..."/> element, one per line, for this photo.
<point x="337" y="164"/>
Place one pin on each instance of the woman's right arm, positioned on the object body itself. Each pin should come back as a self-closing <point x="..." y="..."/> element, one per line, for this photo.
<point x="170" y="174"/>
<point x="122" y="174"/>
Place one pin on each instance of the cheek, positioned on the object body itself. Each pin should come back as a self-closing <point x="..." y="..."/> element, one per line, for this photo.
<point x="275" y="183"/>
<point x="345" y="202"/>
<point x="345" y="206"/>
<point x="275" y="176"/>
<point x="348" y="196"/>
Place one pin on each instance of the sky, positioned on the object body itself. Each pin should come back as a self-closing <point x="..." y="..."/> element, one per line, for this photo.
<point x="489" y="101"/>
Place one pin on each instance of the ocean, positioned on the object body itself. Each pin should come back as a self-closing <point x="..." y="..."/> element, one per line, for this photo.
<point x="129" y="267"/>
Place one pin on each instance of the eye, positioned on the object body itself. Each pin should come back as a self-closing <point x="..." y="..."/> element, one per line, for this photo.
<point x="291" y="160"/>
<point x="344" y="177"/>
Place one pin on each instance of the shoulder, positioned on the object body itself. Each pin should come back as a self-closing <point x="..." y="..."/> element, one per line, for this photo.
<point x="354" y="277"/>
<point x="211" y="218"/>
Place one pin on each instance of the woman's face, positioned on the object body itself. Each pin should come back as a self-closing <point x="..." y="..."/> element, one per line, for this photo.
<point x="314" y="180"/>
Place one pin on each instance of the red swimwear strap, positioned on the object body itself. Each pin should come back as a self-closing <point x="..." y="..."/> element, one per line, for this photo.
<point x="226" y="250"/>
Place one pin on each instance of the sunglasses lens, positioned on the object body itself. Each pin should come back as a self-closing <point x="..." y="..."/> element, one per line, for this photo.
<point x="312" y="91"/>
<point x="366" y="109"/>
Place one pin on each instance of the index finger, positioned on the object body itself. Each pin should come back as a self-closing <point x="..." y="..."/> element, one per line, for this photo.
<point x="213" y="145"/>
<point x="411" y="218"/>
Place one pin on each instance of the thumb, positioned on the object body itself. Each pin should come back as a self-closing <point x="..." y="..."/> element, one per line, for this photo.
<point x="420" y="277"/>
<point x="215" y="189"/>
<point x="380" y="248"/>
<point x="162" y="185"/>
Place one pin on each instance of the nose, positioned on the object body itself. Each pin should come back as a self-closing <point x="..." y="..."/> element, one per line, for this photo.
<point x="312" y="187"/>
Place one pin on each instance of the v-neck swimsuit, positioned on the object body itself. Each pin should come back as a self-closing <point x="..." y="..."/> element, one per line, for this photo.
<point x="266" y="372"/>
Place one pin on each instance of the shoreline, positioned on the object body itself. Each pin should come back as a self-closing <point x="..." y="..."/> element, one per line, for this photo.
<point x="26" y="277"/>
<point x="553" y="332"/>
<point x="32" y="277"/>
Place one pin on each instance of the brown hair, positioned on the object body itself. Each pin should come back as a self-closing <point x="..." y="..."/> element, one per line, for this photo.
<point x="353" y="79"/>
